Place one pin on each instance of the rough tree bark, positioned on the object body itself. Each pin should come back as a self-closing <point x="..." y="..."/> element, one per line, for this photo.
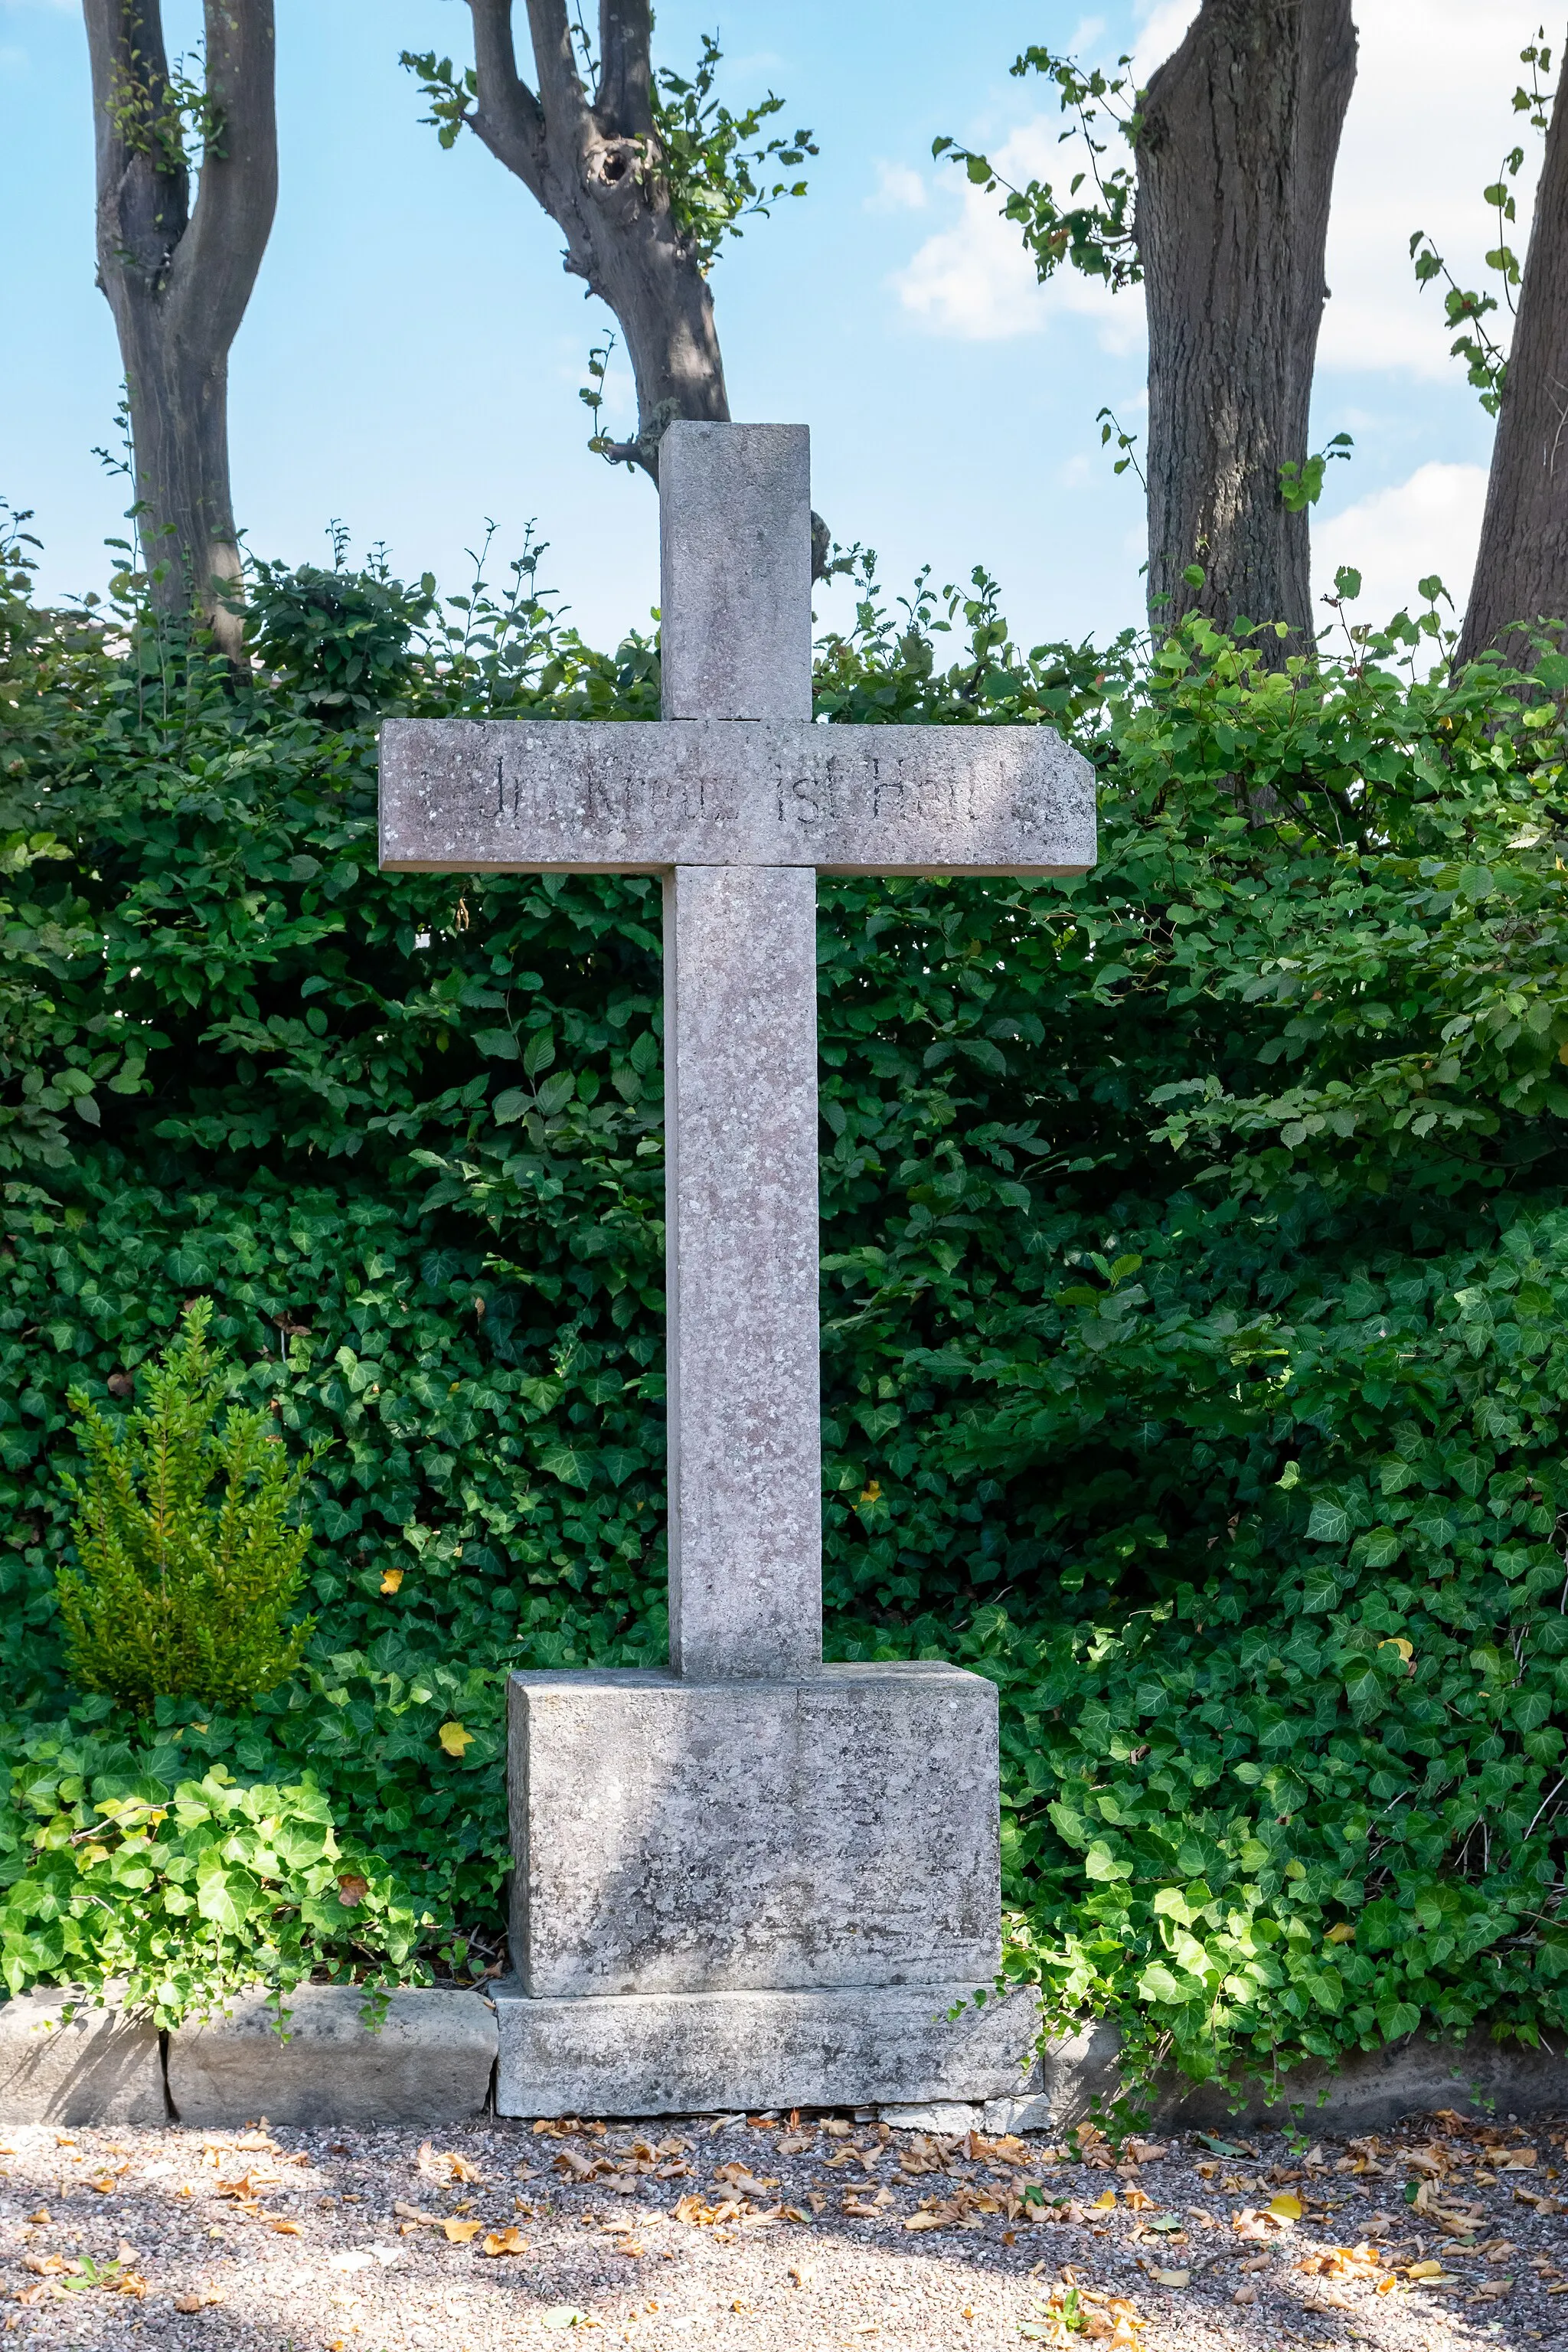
<point x="1235" y="161"/>
<point x="593" y="164"/>
<point x="178" y="278"/>
<point x="1522" y="569"/>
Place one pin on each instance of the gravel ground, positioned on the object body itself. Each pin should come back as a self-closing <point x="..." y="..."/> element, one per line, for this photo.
<point x="784" y="2234"/>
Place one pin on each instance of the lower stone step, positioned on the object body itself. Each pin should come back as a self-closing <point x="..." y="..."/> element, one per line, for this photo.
<point x="427" y="2060"/>
<point x="695" y="2053"/>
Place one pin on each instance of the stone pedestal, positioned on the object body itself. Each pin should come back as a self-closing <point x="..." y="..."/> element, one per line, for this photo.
<point x="762" y="1894"/>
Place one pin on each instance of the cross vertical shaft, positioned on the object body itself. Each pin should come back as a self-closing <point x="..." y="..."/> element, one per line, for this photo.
<point x="740" y="1041"/>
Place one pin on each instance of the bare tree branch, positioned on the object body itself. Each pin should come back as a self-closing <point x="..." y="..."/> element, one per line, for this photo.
<point x="560" y="92"/>
<point x="510" y="118"/>
<point x="624" y="100"/>
<point x="216" y="261"/>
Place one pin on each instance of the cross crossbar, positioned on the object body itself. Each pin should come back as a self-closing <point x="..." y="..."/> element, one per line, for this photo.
<point x="646" y="796"/>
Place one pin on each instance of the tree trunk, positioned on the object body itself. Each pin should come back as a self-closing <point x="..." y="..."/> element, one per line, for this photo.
<point x="1236" y="159"/>
<point x="178" y="279"/>
<point x="1522" y="569"/>
<point x="593" y="166"/>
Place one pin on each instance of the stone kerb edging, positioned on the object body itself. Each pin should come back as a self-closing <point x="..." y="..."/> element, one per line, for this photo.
<point x="434" y="2060"/>
<point x="431" y="2061"/>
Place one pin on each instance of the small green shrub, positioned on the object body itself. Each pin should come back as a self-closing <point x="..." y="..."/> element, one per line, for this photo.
<point x="175" y="1595"/>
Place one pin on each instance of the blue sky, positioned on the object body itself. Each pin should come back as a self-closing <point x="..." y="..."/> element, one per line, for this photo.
<point x="411" y="357"/>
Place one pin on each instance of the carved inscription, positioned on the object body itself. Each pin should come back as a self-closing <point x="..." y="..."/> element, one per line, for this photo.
<point x="642" y="796"/>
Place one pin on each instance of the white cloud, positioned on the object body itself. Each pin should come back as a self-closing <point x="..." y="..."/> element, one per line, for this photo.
<point x="899" y="189"/>
<point x="1428" y="124"/>
<point x="1396" y="537"/>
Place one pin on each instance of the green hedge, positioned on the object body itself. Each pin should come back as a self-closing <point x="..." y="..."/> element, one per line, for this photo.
<point x="1196" y="1271"/>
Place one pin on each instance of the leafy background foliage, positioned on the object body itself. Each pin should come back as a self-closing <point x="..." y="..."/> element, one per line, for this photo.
<point x="1196" y="1267"/>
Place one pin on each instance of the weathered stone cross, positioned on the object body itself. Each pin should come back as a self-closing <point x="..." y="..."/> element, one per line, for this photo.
<point x="738" y="801"/>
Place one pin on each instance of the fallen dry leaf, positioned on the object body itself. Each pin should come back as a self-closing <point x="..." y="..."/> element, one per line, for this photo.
<point x="286" y="2228"/>
<point x="736" y="2177"/>
<point x="803" y="2273"/>
<point x="1247" y="2293"/>
<point x="503" y="2241"/>
<point x="199" y="2299"/>
<point x="1285" y="2208"/>
<point x="1170" y="2278"/>
<point x="391" y="1580"/>
<point x="40" y="2217"/>
<point x="460" y="2233"/>
<point x="437" y="2165"/>
<point x="1492" y="2291"/>
<point x="1516" y="2159"/>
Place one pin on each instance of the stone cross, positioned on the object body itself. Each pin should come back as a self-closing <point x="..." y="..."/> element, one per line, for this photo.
<point x="738" y="801"/>
<point x="755" y="1879"/>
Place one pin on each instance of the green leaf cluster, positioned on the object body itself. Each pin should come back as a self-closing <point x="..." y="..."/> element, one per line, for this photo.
<point x="174" y="1595"/>
<point x="1093" y="231"/>
<point x="120" y="1867"/>
<point x="1196" y="1271"/>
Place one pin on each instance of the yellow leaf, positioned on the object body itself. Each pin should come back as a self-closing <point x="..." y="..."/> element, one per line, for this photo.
<point x="454" y="1738"/>
<point x="287" y="2229"/>
<point x="1341" y="1934"/>
<point x="504" y="2242"/>
<point x="458" y="2234"/>
<point x="1285" y="2208"/>
<point x="1396" y="1642"/>
<point x="391" y="1580"/>
<point x="1426" y="2270"/>
<point x="1103" y="2204"/>
<point x="1170" y="2278"/>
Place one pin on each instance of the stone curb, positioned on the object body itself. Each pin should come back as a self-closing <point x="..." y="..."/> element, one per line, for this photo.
<point x="103" y="2067"/>
<point x="434" y="2060"/>
<point x="430" y="2062"/>
<point x="1367" y="2092"/>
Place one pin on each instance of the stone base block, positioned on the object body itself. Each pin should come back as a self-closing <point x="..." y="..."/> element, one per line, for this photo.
<point x="430" y="2063"/>
<point x="102" y="2067"/>
<point x="695" y="2054"/>
<point x="675" y="1836"/>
